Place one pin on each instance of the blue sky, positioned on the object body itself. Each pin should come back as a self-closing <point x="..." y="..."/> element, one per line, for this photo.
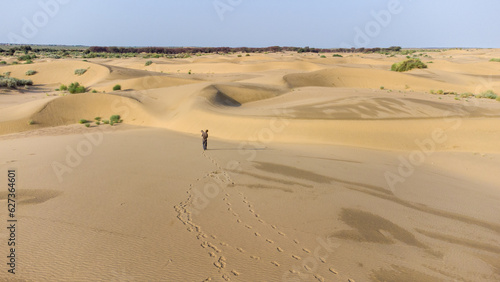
<point x="253" y="23"/>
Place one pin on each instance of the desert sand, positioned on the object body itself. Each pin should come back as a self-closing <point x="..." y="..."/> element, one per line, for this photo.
<point x="318" y="169"/>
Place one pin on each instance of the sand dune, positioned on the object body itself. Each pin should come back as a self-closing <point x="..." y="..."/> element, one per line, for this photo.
<point x="315" y="172"/>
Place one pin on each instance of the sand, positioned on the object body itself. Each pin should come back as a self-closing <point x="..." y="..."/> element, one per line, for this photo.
<point x="313" y="173"/>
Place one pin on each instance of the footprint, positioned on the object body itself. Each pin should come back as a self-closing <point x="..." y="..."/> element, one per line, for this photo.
<point x="275" y="263"/>
<point x="261" y="221"/>
<point x="256" y="215"/>
<point x="281" y="233"/>
<point x="255" y="258"/>
<point x="333" y="271"/>
<point x="306" y="250"/>
<point x="227" y="195"/>
<point x="350" y="280"/>
<point x="224" y="244"/>
<point x="319" y="277"/>
<point x="248" y="226"/>
<point x="296" y="257"/>
<point x="252" y="211"/>
<point x="228" y="204"/>
<point x="229" y="209"/>
<point x="307" y="268"/>
<point x="238" y="220"/>
<point x="323" y="260"/>
<point x="240" y="250"/>
<point x="235" y="273"/>
<point x="257" y="234"/>
<point x="211" y="254"/>
<point x="213" y="236"/>
<point x="226" y="277"/>
<point x="274" y="226"/>
<point x="270" y="241"/>
<point x="279" y="249"/>
<point x="235" y="214"/>
<point x="218" y="265"/>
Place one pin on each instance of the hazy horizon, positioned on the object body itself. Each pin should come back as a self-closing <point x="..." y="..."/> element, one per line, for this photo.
<point x="257" y="23"/>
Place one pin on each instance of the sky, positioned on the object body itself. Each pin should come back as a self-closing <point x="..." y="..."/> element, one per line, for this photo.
<point x="253" y="23"/>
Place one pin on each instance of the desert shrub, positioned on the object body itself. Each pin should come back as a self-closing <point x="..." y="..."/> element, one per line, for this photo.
<point x="97" y="118"/>
<point x="408" y="65"/>
<point x="31" y="122"/>
<point x="117" y="87"/>
<point x="7" y="74"/>
<point x="29" y="62"/>
<point x="248" y="55"/>
<point x="11" y="82"/>
<point x="148" y="63"/>
<point x="80" y="71"/>
<point x="189" y="72"/>
<point x="337" y="55"/>
<point x="440" y="92"/>
<point x="94" y="91"/>
<point x="323" y="56"/>
<point x="466" y="95"/>
<point x="114" y="119"/>
<point x="3" y="62"/>
<point x="30" y="72"/>
<point x="82" y="121"/>
<point x="105" y="121"/>
<point x="87" y="125"/>
<point x="15" y="63"/>
<point x="498" y="98"/>
<point x="26" y="57"/>
<point x="63" y="87"/>
<point x="239" y="56"/>
<point x="97" y="122"/>
<point x="488" y="95"/>
<point x="495" y="60"/>
<point x="382" y="87"/>
<point x="75" y="88"/>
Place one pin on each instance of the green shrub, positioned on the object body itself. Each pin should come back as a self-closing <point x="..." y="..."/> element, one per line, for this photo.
<point x="75" y="88"/>
<point x="337" y="55"/>
<point x="148" y="63"/>
<point x="29" y="62"/>
<point x="239" y="56"/>
<point x="495" y="60"/>
<point x="498" y="98"/>
<point x="408" y="65"/>
<point x="94" y="91"/>
<point x="30" y="72"/>
<point x="63" y="87"/>
<point x="97" y="122"/>
<point x="114" y="119"/>
<point x="466" y="95"/>
<point x="432" y="92"/>
<point x="382" y="87"/>
<point x="117" y="87"/>
<point x="87" y="124"/>
<point x="488" y="94"/>
<point x="31" y="122"/>
<point x="440" y="92"/>
<point x="80" y="71"/>
<point x="11" y="82"/>
<point x="189" y="72"/>
<point x="323" y="56"/>
<point x="82" y="121"/>
<point x="3" y="62"/>
<point x="248" y="55"/>
<point x="105" y="121"/>
<point x="97" y="118"/>
<point x="15" y="63"/>
<point x="7" y="74"/>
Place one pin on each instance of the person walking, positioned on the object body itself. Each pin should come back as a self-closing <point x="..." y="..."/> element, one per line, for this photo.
<point x="204" y="135"/>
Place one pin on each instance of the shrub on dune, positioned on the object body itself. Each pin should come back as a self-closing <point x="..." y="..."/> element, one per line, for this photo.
<point x="495" y="60"/>
<point x="115" y="119"/>
<point x="80" y="71"/>
<point x="75" y="88"/>
<point x="488" y="95"/>
<point x="117" y="87"/>
<point x="408" y="65"/>
<point x="337" y="55"/>
<point x="11" y="82"/>
<point x="30" y="72"/>
<point x="3" y="63"/>
<point x="148" y="63"/>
